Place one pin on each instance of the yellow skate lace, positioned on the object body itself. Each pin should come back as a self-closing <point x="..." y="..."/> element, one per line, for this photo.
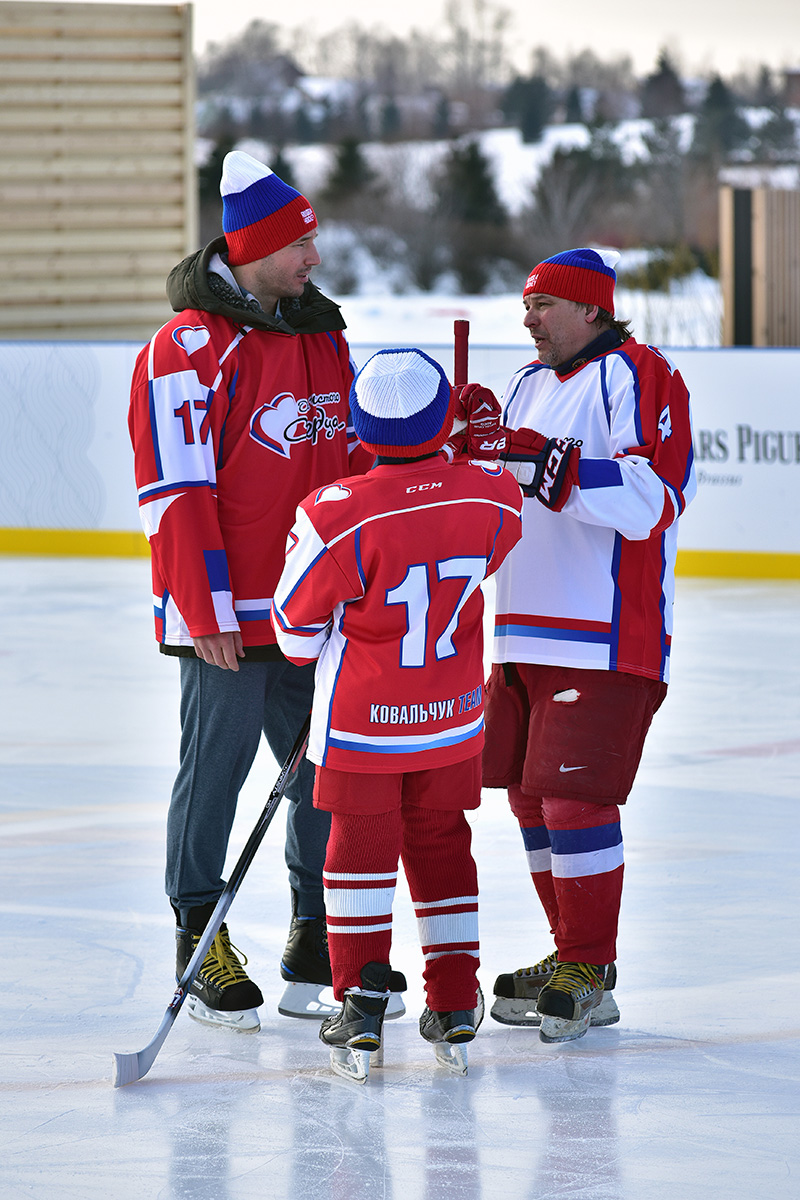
<point x="224" y="963"/>
<point x="576" y="978"/>
<point x="545" y="967"/>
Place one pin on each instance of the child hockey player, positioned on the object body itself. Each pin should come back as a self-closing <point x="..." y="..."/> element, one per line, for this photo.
<point x="382" y="586"/>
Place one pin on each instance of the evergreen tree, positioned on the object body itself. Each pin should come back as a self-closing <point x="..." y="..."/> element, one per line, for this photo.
<point x="351" y="173"/>
<point x="210" y="173"/>
<point x="283" y="168"/>
<point x="663" y="178"/>
<point x="305" y="130"/>
<point x="577" y="194"/>
<point x="208" y="180"/>
<point x="467" y="190"/>
<point x="777" y="140"/>
<point x="662" y="92"/>
<point x="720" y="127"/>
<point x="529" y="103"/>
<point x="573" y="107"/>
<point x="391" y="120"/>
<point x="766" y="93"/>
<point x="472" y="215"/>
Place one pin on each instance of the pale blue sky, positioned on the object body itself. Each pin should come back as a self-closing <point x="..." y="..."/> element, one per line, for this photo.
<point x="705" y="35"/>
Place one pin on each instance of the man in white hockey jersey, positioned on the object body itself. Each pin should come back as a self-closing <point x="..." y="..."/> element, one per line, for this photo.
<point x="600" y="440"/>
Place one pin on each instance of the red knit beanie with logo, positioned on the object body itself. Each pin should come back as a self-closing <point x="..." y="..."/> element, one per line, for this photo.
<point x="581" y="275"/>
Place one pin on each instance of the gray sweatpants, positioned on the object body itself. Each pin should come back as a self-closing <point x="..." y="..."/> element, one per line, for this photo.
<point x="223" y="714"/>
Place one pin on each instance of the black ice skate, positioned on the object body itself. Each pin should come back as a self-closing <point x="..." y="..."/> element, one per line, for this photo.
<point x="516" y="995"/>
<point x="449" y="1032"/>
<point x="567" y="1002"/>
<point x="354" y="1032"/>
<point x="222" y="993"/>
<point x="306" y="967"/>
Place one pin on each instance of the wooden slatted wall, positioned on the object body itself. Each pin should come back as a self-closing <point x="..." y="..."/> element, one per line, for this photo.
<point x="776" y="267"/>
<point x="760" y="266"/>
<point x="98" y="194"/>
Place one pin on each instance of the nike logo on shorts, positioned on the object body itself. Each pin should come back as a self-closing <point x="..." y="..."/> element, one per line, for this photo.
<point x="564" y="769"/>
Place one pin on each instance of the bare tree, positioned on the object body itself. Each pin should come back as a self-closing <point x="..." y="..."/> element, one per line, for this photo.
<point x="564" y="200"/>
<point x="663" y="197"/>
<point x="252" y="64"/>
<point x="582" y="194"/>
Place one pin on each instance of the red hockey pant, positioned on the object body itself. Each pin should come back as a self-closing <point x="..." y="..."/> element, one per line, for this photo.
<point x="575" y="857"/>
<point x="360" y="878"/>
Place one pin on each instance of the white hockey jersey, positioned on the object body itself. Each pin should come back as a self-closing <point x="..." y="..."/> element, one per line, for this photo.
<point x="592" y="586"/>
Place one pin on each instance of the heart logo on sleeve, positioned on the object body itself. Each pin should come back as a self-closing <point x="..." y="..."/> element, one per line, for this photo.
<point x="191" y="337"/>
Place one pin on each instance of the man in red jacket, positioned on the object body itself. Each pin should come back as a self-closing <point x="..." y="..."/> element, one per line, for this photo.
<point x="239" y="407"/>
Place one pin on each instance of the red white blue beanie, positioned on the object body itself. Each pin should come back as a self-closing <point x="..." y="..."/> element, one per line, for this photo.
<point x="400" y="402"/>
<point x="584" y="275"/>
<point x="260" y="213"/>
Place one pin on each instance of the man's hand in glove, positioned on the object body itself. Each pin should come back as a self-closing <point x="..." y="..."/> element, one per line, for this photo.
<point x="546" y="468"/>
<point x="480" y="412"/>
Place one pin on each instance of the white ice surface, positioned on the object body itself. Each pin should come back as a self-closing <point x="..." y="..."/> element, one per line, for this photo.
<point x="693" y="1095"/>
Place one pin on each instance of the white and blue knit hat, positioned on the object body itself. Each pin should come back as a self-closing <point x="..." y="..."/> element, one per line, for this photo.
<point x="260" y="213"/>
<point x="401" y="404"/>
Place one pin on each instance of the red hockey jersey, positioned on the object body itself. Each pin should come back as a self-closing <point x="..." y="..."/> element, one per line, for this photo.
<point x="231" y="428"/>
<point x="382" y="585"/>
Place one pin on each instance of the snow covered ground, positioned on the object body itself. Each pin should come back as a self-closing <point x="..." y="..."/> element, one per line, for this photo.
<point x="694" y="1094"/>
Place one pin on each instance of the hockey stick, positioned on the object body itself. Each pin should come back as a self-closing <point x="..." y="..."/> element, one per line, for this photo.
<point x="461" y="338"/>
<point x="130" y="1067"/>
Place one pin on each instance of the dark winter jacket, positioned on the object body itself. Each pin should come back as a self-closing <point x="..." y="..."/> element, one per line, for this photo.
<point x="191" y="286"/>
<point x="254" y="420"/>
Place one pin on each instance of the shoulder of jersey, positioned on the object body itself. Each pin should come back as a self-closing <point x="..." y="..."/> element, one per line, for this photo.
<point x="191" y="330"/>
<point x="332" y="493"/>
<point x="488" y="468"/>
<point x="645" y="358"/>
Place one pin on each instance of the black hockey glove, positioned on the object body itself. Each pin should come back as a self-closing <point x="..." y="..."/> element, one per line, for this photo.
<point x="552" y="466"/>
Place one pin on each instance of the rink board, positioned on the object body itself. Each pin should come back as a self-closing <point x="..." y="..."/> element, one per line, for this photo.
<point x="67" y="471"/>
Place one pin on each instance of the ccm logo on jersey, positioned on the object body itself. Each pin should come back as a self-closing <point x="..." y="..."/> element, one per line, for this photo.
<point x="423" y="487"/>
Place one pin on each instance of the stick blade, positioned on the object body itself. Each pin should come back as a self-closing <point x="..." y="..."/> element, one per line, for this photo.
<point x="128" y="1068"/>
